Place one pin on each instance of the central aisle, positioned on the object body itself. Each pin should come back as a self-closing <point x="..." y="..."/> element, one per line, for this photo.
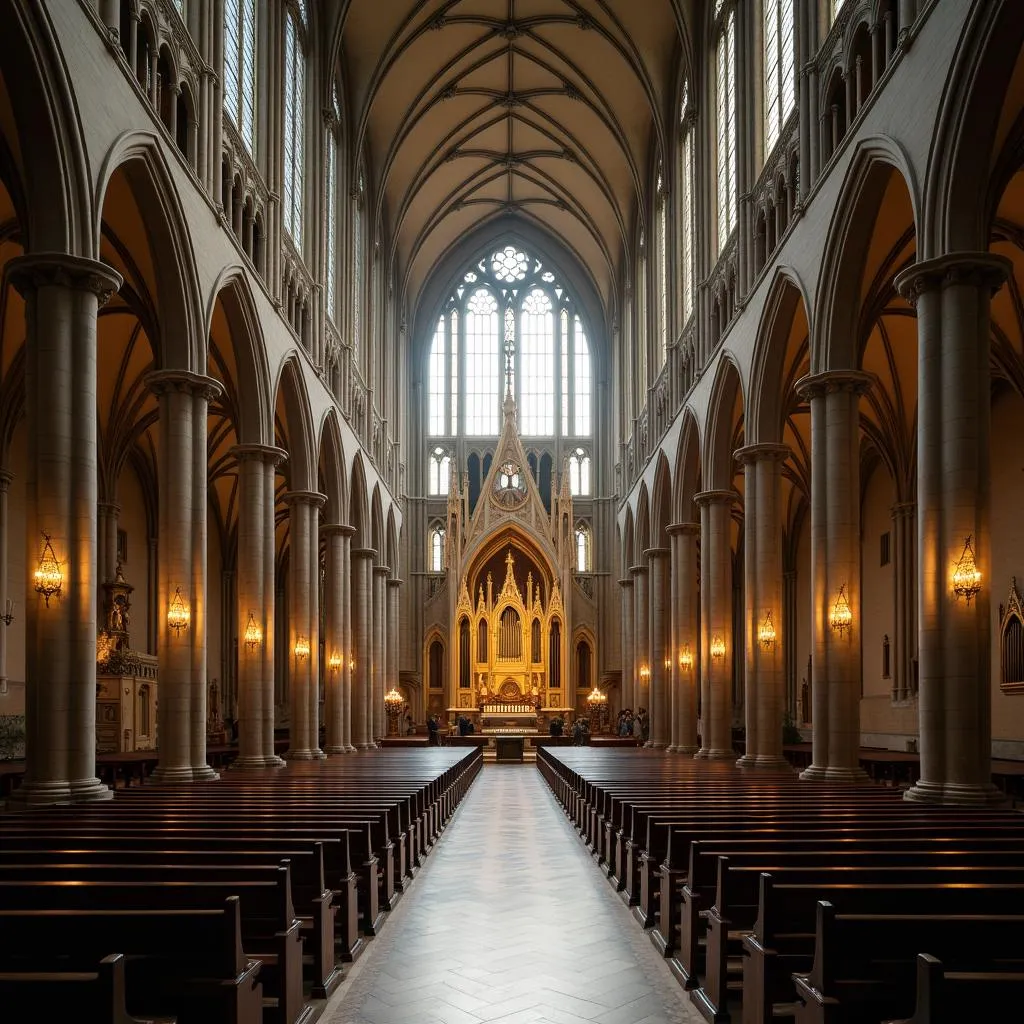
<point x="511" y="921"/>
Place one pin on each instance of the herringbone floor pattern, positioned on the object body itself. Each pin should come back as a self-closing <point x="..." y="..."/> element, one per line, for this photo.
<point x="510" y="922"/>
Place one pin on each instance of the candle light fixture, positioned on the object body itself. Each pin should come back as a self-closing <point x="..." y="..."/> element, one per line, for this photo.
<point x="48" y="578"/>
<point x="685" y="658"/>
<point x="766" y="633"/>
<point x="334" y="661"/>
<point x="351" y="664"/>
<point x="668" y="664"/>
<point x="966" y="575"/>
<point x="252" y="635"/>
<point x="841" y="618"/>
<point x="718" y="646"/>
<point x="645" y="673"/>
<point x="8" y="616"/>
<point x="178" y="614"/>
<point x="301" y="647"/>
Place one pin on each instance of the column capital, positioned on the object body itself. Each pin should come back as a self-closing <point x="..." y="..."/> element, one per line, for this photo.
<point x="364" y="552"/>
<point x="110" y="508"/>
<point x="637" y="570"/>
<point x="903" y="509"/>
<point x="625" y="581"/>
<point x="38" y="270"/>
<point x="765" y="452"/>
<point x="381" y="570"/>
<point x="829" y="381"/>
<point x="262" y="452"/>
<point x="6" y="476"/>
<point x="313" y="498"/>
<point x="721" y="497"/>
<point x="337" y="530"/>
<point x="685" y="529"/>
<point x="981" y="269"/>
<point x="657" y="553"/>
<point x="160" y="382"/>
<point x="395" y="582"/>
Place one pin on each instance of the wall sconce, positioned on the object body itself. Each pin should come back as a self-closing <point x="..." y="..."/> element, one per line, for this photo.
<point x="48" y="578"/>
<point x="685" y="658"/>
<point x="334" y="661"/>
<point x="178" y="614"/>
<point x="645" y="673"/>
<point x="668" y="664"/>
<point x="301" y="647"/>
<point x="842" y="615"/>
<point x="252" y="635"/>
<point x="766" y="633"/>
<point x="8" y="616"/>
<point x="966" y="576"/>
<point x="351" y="664"/>
<point x="718" y="646"/>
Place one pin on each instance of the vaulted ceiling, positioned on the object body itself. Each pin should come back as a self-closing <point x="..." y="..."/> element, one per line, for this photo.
<point x="473" y="110"/>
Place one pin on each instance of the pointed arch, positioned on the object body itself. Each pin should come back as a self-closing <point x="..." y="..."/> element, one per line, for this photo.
<point x="687" y="480"/>
<point x="642" y="537"/>
<point x="661" y="502"/>
<point x="290" y="392"/>
<point x="359" y="505"/>
<point x="331" y="463"/>
<point x="377" y="539"/>
<point x="627" y="540"/>
<point x="392" y="542"/>
<point x="721" y="439"/>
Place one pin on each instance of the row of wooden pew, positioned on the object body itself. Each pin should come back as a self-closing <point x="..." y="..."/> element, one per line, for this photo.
<point x="828" y="904"/>
<point x="232" y="902"/>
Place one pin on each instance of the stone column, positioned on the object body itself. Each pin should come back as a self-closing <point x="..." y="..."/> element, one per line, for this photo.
<point x="380" y="579"/>
<point x="952" y="295"/>
<point x="685" y="635"/>
<point x="835" y="564"/>
<point x="641" y="639"/>
<point x="660" y="648"/>
<point x="270" y="592"/>
<point x="717" y="625"/>
<point x="394" y="633"/>
<point x="256" y="464"/>
<point x="764" y="676"/>
<point x="107" y="514"/>
<point x="62" y="296"/>
<point x="347" y="643"/>
<point x="334" y="640"/>
<point x="628" y="658"/>
<point x="303" y="742"/>
<point x="5" y="484"/>
<point x="362" y="642"/>
<point x="901" y="662"/>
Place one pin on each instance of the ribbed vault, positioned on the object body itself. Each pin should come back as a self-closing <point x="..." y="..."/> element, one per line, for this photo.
<point x="469" y="110"/>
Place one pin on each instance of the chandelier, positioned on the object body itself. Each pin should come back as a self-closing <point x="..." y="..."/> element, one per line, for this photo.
<point x="841" y="618"/>
<point x="685" y="658"/>
<point x="301" y="647"/>
<point x="718" y="646"/>
<point x="393" y="700"/>
<point x="178" y="615"/>
<point x="766" y="632"/>
<point x="48" y="577"/>
<point x="596" y="698"/>
<point x="252" y="635"/>
<point x="966" y="576"/>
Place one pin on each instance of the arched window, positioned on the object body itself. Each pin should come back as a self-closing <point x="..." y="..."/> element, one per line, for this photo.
<point x="725" y="82"/>
<point x="555" y="656"/>
<point x="294" y="118"/>
<point x="440" y="467"/>
<point x="435" y="549"/>
<point x="435" y="678"/>
<point x="686" y="133"/>
<point x="537" y="365"/>
<point x="641" y="328"/>
<point x="579" y="473"/>
<point x="584" y="560"/>
<point x="509" y="322"/>
<point x="358" y="264"/>
<point x="481" y="640"/>
<point x="535" y="642"/>
<point x="240" y="68"/>
<point x="779" y="64"/>
<point x="583" y="665"/>
<point x="332" y="141"/>
<point x="661" y="223"/>
<point x="464" y="667"/>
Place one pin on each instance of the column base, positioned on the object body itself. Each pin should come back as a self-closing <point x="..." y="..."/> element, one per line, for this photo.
<point x="366" y="746"/>
<point x="30" y="795"/>
<point x="255" y="762"/>
<point x="981" y="795"/>
<point x="332" y="750"/>
<point x="764" y="762"/>
<point x="687" y="749"/>
<point x="670" y="749"/>
<point x="814" y="773"/>
<point x="700" y="754"/>
<point x="855" y="775"/>
<point x="350" y="749"/>
<point x="319" y="755"/>
<point x="720" y="754"/>
<point x="204" y="773"/>
<point x="164" y="775"/>
<point x="658" y="745"/>
<point x="300" y="755"/>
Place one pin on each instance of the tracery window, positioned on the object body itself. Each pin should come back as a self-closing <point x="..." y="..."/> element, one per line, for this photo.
<point x="584" y="558"/>
<point x="779" y="64"/>
<point x="725" y="79"/>
<point x="332" y="141"/>
<point x="358" y="263"/>
<point x="509" y="323"/>
<point x="686" y="133"/>
<point x="435" y="549"/>
<point x="240" y="68"/>
<point x="579" y="473"/>
<point x="661" y="222"/>
<point x="294" y="118"/>
<point x="440" y="467"/>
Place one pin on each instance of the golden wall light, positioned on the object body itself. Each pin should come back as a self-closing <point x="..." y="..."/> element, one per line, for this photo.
<point x="252" y="635"/>
<point x="841" y="618"/>
<point x="668" y="664"/>
<point x="393" y="700"/>
<point x="685" y="658"/>
<point x="645" y="673"/>
<point x="178" y="613"/>
<point x="596" y="698"/>
<point x="301" y="647"/>
<point x="351" y="664"/>
<point x="766" y="632"/>
<point x="966" y="575"/>
<point x="718" y="646"/>
<point x="48" y="577"/>
<point x="334" y="661"/>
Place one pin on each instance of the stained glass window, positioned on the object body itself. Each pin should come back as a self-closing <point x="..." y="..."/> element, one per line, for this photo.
<point x="331" y="209"/>
<point x="725" y="57"/>
<point x="240" y="67"/>
<point x="294" y="122"/>
<point x="686" y="202"/>
<point x="779" y="81"/>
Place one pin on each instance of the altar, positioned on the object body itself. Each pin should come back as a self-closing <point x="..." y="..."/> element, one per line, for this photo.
<point x="509" y="749"/>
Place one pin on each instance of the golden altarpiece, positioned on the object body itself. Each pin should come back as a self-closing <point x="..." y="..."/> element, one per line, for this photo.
<point x="510" y="608"/>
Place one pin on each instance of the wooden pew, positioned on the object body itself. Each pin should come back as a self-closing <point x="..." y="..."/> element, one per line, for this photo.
<point x="187" y="964"/>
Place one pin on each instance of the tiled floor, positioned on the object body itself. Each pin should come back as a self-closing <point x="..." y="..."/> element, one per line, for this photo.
<point x="510" y="921"/>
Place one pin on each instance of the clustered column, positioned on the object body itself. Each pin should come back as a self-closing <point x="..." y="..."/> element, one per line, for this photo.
<point x="764" y="666"/>
<point x="362" y="640"/>
<point x="641" y="639"/>
<point x="660" y="610"/>
<point x="952" y="296"/>
<point x="334" y="637"/>
<point x="394" y="634"/>
<point x="62" y="297"/>
<point x="717" y="648"/>
<point x="685" y="638"/>
<point x="380" y="580"/>
<point x="628" y="656"/>
<point x="834" y="398"/>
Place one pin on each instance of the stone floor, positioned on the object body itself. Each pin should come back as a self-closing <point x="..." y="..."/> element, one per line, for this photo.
<point x="510" y="921"/>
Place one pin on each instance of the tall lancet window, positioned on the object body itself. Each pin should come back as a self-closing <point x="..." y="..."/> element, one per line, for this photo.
<point x="779" y="65"/>
<point x="358" y="265"/>
<point x="686" y="133"/>
<point x="332" y="140"/>
<point x="725" y="88"/>
<point x="294" y="118"/>
<point x="437" y="378"/>
<point x="537" y="365"/>
<point x="240" y="68"/>
<point x="661" y="223"/>
<point x="483" y="365"/>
